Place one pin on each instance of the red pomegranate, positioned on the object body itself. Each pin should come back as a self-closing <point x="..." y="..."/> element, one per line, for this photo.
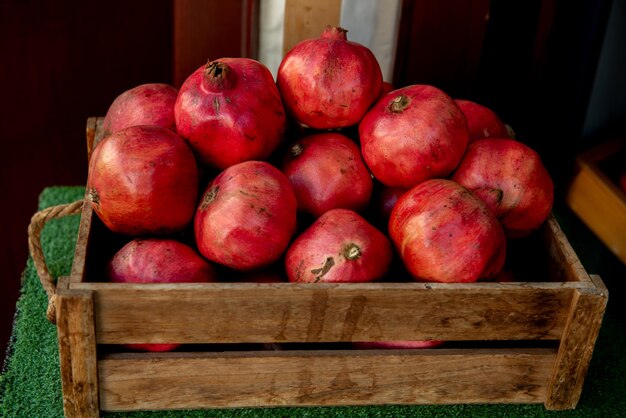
<point x="246" y="216"/>
<point x="413" y="134"/>
<point x="444" y="233"/>
<point x="143" y="180"/>
<point x="340" y="246"/>
<point x="400" y="344"/>
<point x="326" y="171"/>
<point x="482" y="122"/>
<point x="157" y="260"/>
<point x="329" y="82"/>
<point x="622" y="182"/>
<point x="511" y="179"/>
<point x="147" y="104"/>
<point x="387" y="87"/>
<point x="384" y="198"/>
<point x="230" y="111"/>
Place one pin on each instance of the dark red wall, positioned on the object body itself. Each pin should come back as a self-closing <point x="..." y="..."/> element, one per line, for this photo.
<point x="62" y="61"/>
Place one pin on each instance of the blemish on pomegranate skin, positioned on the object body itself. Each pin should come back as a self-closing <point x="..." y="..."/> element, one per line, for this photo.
<point x="320" y="272"/>
<point x="209" y="197"/>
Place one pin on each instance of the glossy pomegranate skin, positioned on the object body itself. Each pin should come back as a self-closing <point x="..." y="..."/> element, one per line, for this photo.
<point x="384" y="198"/>
<point x="413" y="134"/>
<point x="230" y="111"/>
<point x="146" y="104"/>
<point x="329" y="82"/>
<point x="327" y="172"/>
<point x="482" y="122"/>
<point x="157" y="260"/>
<point x="444" y="233"/>
<point x="143" y="180"/>
<point x="339" y="247"/>
<point x="511" y="179"/>
<point x="246" y="217"/>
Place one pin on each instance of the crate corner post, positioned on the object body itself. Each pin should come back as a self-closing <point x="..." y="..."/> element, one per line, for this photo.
<point x="576" y="346"/>
<point x="77" y="351"/>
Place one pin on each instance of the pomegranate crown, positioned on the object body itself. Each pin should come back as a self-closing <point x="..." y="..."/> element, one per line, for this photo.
<point x="219" y="76"/>
<point x="335" y="32"/>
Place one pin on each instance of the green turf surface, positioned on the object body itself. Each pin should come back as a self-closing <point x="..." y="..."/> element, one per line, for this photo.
<point x="30" y="380"/>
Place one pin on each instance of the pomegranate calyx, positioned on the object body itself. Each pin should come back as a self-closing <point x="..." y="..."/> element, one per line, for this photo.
<point x="218" y="76"/>
<point x="399" y="103"/>
<point x="351" y="252"/>
<point x="335" y="32"/>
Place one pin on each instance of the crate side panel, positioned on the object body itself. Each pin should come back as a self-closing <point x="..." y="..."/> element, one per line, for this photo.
<point x="601" y="206"/>
<point x="231" y="313"/>
<point x="325" y="378"/>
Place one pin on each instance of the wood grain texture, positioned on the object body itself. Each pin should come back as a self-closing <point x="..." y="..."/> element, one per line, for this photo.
<point x="576" y="347"/>
<point x="306" y="19"/>
<point x="77" y="352"/>
<point x="350" y="377"/>
<point x="250" y="312"/>
<point x="598" y="201"/>
<point x="564" y="265"/>
<point x="207" y="30"/>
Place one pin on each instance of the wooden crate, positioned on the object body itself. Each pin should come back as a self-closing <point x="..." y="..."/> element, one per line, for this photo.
<point x="597" y="199"/>
<point x="518" y="342"/>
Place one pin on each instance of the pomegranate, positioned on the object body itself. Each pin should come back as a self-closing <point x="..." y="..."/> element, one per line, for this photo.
<point x="340" y="246"/>
<point x="622" y="182"/>
<point x="143" y="180"/>
<point x="387" y="87"/>
<point x="158" y="260"/>
<point x="329" y="82"/>
<point x="482" y="122"/>
<point x="413" y="134"/>
<point x="326" y="171"/>
<point x="384" y="198"/>
<point x="246" y="216"/>
<point x="366" y="345"/>
<point x="230" y="111"/>
<point x="147" y="104"/>
<point x="511" y="179"/>
<point x="444" y="233"/>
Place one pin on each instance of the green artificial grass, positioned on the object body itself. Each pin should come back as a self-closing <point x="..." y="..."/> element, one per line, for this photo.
<point x="30" y="380"/>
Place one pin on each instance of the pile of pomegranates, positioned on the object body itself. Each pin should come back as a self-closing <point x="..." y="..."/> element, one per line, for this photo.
<point x="325" y="175"/>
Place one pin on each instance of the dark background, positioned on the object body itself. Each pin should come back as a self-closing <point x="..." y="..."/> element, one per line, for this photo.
<point x="553" y="69"/>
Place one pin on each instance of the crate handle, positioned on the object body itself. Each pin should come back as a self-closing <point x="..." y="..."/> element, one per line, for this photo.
<point x="37" y="223"/>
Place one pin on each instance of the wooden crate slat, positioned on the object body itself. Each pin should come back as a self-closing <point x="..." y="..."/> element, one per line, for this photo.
<point x="233" y="313"/>
<point x="600" y="204"/>
<point x="77" y="351"/>
<point x="576" y="347"/>
<point x="210" y="380"/>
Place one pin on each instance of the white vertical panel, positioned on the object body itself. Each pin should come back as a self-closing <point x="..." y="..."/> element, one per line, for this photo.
<point x="271" y="24"/>
<point x="374" y="23"/>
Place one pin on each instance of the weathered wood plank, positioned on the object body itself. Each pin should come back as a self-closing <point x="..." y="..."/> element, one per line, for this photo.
<point x="564" y="262"/>
<point x="250" y="312"/>
<point x="77" y="352"/>
<point x="439" y="376"/>
<point x="306" y="19"/>
<point x="576" y="347"/>
<point x="597" y="200"/>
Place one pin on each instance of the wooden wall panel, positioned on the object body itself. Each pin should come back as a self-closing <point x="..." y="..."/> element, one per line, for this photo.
<point x="207" y="30"/>
<point x="62" y="61"/>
